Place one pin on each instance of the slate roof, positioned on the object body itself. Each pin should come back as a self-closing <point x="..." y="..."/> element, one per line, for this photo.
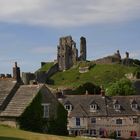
<point x="22" y="98"/>
<point x="6" y="85"/>
<point x="125" y="105"/>
<point x="81" y="105"/>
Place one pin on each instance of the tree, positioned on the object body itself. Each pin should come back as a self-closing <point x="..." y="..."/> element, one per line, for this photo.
<point x="90" y="87"/>
<point x="121" y="87"/>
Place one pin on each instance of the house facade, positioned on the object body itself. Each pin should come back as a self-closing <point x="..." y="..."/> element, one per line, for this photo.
<point x="102" y="116"/>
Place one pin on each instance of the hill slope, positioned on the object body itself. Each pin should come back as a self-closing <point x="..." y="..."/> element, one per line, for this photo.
<point x="7" y="133"/>
<point x="102" y="74"/>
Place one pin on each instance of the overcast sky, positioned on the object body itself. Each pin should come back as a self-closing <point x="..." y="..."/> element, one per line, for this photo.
<point x="30" y="29"/>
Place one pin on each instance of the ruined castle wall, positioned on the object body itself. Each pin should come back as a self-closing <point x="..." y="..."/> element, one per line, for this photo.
<point x="83" y="49"/>
<point x="27" y="77"/>
<point x="65" y="53"/>
<point x="42" y="76"/>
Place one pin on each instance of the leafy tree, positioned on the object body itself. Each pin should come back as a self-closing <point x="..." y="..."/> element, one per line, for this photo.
<point x="90" y="87"/>
<point x="121" y="87"/>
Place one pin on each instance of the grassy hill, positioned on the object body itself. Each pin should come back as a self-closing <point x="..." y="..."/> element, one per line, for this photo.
<point x="7" y="133"/>
<point x="102" y="74"/>
<point x="46" y="66"/>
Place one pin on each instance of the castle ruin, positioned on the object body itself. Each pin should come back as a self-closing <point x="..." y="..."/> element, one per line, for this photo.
<point x="67" y="54"/>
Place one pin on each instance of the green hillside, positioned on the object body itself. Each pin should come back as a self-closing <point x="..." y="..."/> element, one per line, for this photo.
<point x="102" y="74"/>
<point x="7" y="133"/>
<point x="46" y="66"/>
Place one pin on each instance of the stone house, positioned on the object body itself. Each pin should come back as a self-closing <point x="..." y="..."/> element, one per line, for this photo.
<point x="102" y="116"/>
<point x="30" y="107"/>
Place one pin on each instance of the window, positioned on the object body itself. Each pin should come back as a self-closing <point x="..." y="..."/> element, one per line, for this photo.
<point x="116" y="106"/>
<point x="77" y="121"/>
<point x="93" y="106"/>
<point x="68" y="107"/>
<point x="118" y="133"/>
<point x="119" y="121"/>
<point x="135" y="120"/>
<point x="45" y="110"/>
<point x="93" y="120"/>
<point x="134" y="106"/>
<point x="93" y="132"/>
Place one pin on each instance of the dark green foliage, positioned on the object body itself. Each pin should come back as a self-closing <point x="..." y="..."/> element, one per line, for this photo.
<point x="113" y="135"/>
<point x="121" y="87"/>
<point x="58" y="125"/>
<point x="32" y="119"/>
<point x="137" y="72"/>
<point x="90" y="87"/>
<point x="136" y="61"/>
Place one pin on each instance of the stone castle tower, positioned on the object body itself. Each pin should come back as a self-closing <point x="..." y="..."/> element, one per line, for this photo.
<point x="67" y="53"/>
<point x="83" y="49"/>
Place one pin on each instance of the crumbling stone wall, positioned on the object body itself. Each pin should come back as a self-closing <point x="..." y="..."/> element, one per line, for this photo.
<point x="67" y="53"/>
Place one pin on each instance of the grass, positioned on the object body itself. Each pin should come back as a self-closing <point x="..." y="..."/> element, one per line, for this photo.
<point x="7" y="133"/>
<point x="99" y="74"/>
<point x="46" y="67"/>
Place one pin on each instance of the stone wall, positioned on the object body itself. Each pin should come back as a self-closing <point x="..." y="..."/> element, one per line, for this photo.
<point x="42" y="76"/>
<point x="107" y="124"/>
<point x="27" y="77"/>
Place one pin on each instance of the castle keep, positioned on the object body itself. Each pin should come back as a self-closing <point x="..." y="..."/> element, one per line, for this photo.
<point x="67" y="53"/>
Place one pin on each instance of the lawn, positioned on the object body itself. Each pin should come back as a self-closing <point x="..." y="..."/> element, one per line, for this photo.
<point x="7" y="133"/>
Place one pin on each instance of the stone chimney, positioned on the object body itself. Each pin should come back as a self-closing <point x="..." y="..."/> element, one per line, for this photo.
<point x="102" y="91"/>
<point x="16" y="73"/>
<point x="87" y="92"/>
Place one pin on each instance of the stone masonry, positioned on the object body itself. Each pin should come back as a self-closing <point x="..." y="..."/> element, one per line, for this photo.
<point x="67" y="54"/>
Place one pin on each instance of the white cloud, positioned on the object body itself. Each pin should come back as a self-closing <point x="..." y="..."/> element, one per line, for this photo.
<point x="135" y="54"/>
<point x="68" y="13"/>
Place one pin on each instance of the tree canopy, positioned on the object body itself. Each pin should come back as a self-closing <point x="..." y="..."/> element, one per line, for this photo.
<point x="122" y="87"/>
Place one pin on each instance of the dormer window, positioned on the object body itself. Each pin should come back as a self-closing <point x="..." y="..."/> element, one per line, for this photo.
<point x="93" y="107"/>
<point x="117" y="105"/>
<point x="134" y="104"/>
<point x="68" y="106"/>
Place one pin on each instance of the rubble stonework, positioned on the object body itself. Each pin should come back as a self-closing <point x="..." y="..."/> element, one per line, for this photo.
<point x="83" y="48"/>
<point x="67" y="54"/>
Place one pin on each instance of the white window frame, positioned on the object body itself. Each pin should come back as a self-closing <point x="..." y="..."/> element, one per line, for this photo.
<point x="134" y="106"/>
<point x="118" y="133"/>
<point x="68" y="107"/>
<point x="93" y="132"/>
<point x="93" y="107"/>
<point x="135" y="120"/>
<point x="46" y="115"/>
<point x="120" y="120"/>
<point x="117" y="106"/>
<point x="93" y="120"/>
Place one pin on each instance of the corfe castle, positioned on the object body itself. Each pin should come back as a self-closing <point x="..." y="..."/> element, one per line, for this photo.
<point x="67" y="54"/>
